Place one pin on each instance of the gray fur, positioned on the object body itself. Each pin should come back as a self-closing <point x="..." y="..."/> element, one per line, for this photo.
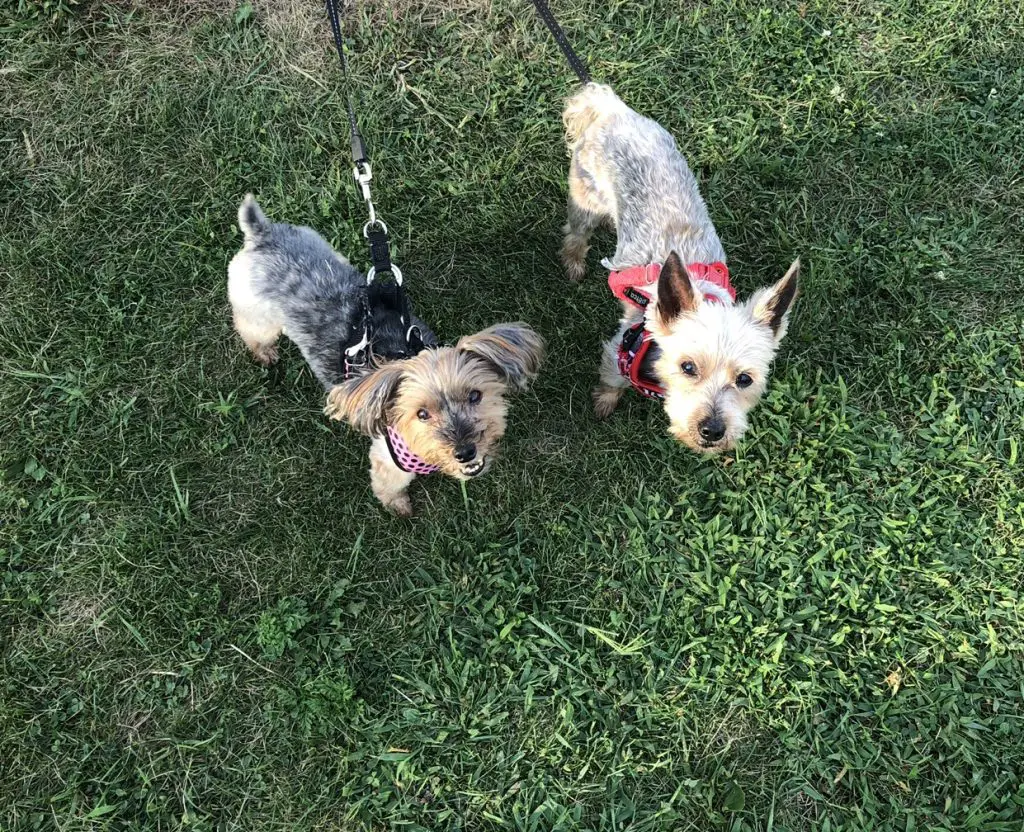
<point x="288" y="278"/>
<point x="657" y="207"/>
<point x="252" y="220"/>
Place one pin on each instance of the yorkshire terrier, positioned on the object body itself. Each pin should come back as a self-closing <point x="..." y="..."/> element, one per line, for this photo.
<point x="427" y="408"/>
<point x="685" y="340"/>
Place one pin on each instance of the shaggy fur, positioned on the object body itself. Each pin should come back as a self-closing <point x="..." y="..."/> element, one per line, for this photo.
<point x="287" y="279"/>
<point x="712" y="358"/>
<point x="447" y="403"/>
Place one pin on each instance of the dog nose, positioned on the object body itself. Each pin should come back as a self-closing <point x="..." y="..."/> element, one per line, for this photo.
<point x="711" y="429"/>
<point x="465" y="453"/>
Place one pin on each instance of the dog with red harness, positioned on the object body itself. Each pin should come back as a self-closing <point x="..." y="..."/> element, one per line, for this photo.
<point x="682" y="337"/>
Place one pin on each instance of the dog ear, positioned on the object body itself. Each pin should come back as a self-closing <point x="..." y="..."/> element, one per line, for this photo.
<point x="514" y="350"/>
<point x="770" y="306"/>
<point x="363" y="401"/>
<point x="676" y="295"/>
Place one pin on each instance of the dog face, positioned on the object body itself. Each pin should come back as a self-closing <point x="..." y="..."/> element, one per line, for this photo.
<point x="448" y="404"/>
<point x="715" y="358"/>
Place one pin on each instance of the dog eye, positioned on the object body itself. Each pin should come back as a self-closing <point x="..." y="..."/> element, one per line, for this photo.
<point x="422" y="414"/>
<point x="475" y="396"/>
<point x="744" y="380"/>
<point x="689" y="368"/>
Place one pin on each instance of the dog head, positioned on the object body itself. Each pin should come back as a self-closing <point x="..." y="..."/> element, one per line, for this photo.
<point x="448" y="404"/>
<point x="715" y="358"/>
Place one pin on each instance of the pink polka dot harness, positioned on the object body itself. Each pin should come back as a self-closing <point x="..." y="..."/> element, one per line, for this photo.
<point x="403" y="456"/>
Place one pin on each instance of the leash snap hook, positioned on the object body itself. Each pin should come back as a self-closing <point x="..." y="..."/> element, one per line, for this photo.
<point x="363" y="174"/>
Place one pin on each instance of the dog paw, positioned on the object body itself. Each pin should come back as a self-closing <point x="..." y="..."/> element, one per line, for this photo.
<point x="575" y="272"/>
<point x="400" y="506"/>
<point x="266" y="355"/>
<point x="574" y="265"/>
<point x="574" y="258"/>
<point x="606" y="399"/>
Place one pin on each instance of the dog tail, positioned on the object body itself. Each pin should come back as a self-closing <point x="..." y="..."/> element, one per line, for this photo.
<point x="590" y="104"/>
<point x="252" y="220"/>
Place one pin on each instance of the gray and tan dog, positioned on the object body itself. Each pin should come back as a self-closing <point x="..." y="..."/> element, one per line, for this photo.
<point x="427" y="408"/>
<point x="709" y="357"/>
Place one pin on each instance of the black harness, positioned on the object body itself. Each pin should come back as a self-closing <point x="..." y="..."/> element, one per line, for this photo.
<point x="385" y="302"/>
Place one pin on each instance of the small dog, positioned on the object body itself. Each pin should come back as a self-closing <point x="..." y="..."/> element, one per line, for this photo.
<point x="689" y="344"/>
<point x="427" y="408"/>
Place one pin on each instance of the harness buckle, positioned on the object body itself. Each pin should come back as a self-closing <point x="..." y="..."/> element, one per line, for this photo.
<point x="357" y="356"/>
<point x="631" y="336"/>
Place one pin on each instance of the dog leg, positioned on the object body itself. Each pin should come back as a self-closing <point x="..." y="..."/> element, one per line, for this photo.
<point x="612" y="385"/>
<point x="576" y="243"/>
<point x="586" y="211"/>
<point x="256" y="319"/>
<point x="390" y="483"/>
<point x="260" y="337"/>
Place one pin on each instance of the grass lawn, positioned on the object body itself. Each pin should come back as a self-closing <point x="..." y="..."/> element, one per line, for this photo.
<point x="207" y="621"/>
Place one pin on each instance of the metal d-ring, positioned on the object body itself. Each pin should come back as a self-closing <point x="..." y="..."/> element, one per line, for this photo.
<point x="371" y="224"/>
<point x="397" y="272"/>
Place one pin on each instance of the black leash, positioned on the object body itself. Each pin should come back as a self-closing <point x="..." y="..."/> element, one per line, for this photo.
<point x="375" y="231"/>
<point x="574" y="60"/>
<point x="384" y="298"/>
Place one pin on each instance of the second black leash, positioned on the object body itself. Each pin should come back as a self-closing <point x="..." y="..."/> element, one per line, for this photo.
<point x="375" y="231"/>
<point x="544" y="11"/>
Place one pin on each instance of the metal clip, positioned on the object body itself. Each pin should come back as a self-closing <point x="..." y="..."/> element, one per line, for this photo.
<point x="363" y="173"/>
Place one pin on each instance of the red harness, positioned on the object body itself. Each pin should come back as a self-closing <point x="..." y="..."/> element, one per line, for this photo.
<point x="630" y="285"/>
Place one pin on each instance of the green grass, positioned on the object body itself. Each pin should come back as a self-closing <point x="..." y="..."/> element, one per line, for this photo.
<point x="209" y="623"/>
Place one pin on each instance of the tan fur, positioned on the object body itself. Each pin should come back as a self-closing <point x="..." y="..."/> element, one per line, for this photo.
<point x="588" y="206"/>
<point x="390" y="484"/>
<point x="265" y="352"/>
<point x="259" y="334"/>
<point x="364" y="402"/>
<point x="439" y="383"/>
<point x="441" y="386"/>
<point x="514" y="351"/>
<point x="592" y="103"/>
<point x="607" y="394"/>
